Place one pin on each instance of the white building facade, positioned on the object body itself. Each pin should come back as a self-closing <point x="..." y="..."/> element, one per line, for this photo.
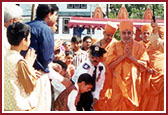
<point x="65" y="12"/>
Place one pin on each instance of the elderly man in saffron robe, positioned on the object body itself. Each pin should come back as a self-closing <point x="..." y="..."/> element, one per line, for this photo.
<point x="127" y="60"/>
<point x="153" y="91"/>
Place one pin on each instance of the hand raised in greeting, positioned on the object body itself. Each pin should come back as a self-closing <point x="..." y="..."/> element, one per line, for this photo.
<point x="127" y="52"/>
<point x="30" y="56"/>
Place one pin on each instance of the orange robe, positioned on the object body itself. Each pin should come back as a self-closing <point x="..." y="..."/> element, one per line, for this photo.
<point x="106" y="47"/>
<point x="122" y="87"/>
<point x="153" y="98"/>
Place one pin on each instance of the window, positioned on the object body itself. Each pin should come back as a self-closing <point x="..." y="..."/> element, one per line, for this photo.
<point x="83" y="6"/>
<point x="76" y="6"/>
<point x="65" y="26"/>
<point x="57" y="31"/>
<point x="27" y="9"/>
<point x="88" y="31"/>
<point x="70" y="6"/>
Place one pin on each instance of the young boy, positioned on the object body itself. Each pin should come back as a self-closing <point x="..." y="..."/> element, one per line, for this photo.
<point x="19" y="75"/>
<point x="69" y="98"/>
<point x="78" y="54"/>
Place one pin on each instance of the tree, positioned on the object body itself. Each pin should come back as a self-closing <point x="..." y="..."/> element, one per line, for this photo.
<point x="136" y="11"/>
<point x="117" y="35"/>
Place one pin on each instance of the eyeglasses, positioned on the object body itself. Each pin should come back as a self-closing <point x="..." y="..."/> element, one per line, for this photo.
<point x="128" y="32"/>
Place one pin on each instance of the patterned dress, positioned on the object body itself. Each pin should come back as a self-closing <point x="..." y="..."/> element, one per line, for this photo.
<point x="15" y="98"/>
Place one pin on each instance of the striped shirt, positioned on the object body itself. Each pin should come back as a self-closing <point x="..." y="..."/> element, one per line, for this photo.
<point x="79" y="57"/>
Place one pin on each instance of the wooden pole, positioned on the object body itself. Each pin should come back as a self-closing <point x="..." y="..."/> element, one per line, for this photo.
<point x="32" y="12"/>
<point x="107" y="12"/>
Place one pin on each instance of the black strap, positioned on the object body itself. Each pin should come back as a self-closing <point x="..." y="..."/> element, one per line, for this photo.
<point x="94" y="79"/>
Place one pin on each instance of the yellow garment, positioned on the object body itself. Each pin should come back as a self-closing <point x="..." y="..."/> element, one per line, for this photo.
<point x="25" y="76"/>
<point x="123" y="83"/>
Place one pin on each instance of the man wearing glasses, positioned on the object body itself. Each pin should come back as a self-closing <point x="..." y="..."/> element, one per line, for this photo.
<point x="126" y="60"/>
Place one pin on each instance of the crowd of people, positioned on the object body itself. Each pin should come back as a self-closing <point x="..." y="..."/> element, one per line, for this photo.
<point x="42" y="73"/>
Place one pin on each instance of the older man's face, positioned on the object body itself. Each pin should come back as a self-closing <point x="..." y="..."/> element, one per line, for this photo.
<point x="126" y="36"/>
<point x="107" y="36"/>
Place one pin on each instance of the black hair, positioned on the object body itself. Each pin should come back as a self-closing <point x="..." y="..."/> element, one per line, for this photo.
<point x="76" y="39"/>
<point x="87" y="78"/>
<point x="16" y="32"/>
<point x="63" y="64"/>
<point x="68" y="53"/>
<point x="43" y="10"/>
<point x="86" y="37"/>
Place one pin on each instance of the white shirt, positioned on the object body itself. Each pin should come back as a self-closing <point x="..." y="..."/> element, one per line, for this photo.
<point x="58" y="87"/>
<point x="87" y="67"/>
<point x="72" y="98"/>
<point x="53" y="74"/>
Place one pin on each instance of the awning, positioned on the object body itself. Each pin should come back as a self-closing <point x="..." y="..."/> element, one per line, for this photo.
<point x="86" y="22"/>
<point x="99" y="23"/>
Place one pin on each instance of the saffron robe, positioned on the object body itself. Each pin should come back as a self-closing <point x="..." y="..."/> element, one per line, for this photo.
<point x="153" y="97"/>
<point x="122" y="87"/>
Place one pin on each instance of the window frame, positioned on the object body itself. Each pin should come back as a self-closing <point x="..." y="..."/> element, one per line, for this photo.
<point x="65" y="25"/>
